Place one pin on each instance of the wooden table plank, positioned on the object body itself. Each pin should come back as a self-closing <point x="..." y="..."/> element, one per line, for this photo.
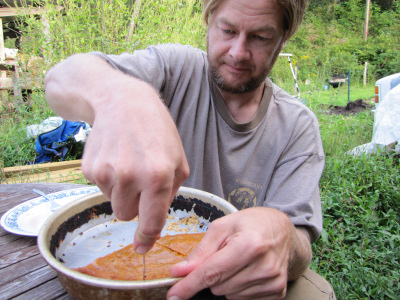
<point x="15" y="271"/>
<point x="25" y="192"/>
<point x="23" y="272"/>
<point x="26" y="188"/>
<point x="8" y="238"/>
<point x="16" y="245"/>
<point x="30" y="281"/>
<point x="14" y="198"/>
<point x="48" y="290"/>
<point x="17" y="256"/>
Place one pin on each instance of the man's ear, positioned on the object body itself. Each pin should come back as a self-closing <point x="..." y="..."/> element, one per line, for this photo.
<point x="283" y="45"/>
<point x="285" y="39"/>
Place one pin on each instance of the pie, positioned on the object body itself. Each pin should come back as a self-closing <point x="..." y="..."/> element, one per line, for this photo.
<point x="126" y="264"/>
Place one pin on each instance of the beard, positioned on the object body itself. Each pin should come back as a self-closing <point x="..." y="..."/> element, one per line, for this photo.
<point x="248" y="86"/>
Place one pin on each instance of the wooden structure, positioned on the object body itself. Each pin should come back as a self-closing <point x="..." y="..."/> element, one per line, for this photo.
<point x="11" y="76"/>
<point x="23" y="272"/>
<point x="9" y="70"/>
<point x="64" y="172"/>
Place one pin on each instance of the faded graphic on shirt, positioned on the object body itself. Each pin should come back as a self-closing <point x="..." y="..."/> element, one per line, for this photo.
<point x="242" y="198"/>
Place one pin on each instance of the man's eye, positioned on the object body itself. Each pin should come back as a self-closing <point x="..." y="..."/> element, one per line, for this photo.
<point x="228" y="31"/>
<point x="261" y="38"/>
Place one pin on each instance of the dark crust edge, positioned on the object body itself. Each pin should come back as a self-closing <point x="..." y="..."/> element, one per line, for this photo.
<point x="205" y="210"/>
<point x="77" y="221"/>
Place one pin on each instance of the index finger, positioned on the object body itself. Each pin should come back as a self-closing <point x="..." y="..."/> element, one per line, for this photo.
<point x="153" y="208"/>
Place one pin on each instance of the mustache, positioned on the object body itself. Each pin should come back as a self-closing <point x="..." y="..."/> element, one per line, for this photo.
<point x="237" y="64"/>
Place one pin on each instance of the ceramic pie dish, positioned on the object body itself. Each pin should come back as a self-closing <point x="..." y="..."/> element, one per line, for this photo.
<point x="86" y="229"/>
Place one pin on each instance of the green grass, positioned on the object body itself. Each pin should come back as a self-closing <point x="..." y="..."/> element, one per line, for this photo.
<point x="342" y="133"/>
<point x="316" y="95"/>
<point x="15" y="147"/>
<point x="360" y="247"/>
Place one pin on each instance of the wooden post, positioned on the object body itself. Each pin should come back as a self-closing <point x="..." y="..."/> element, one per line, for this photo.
<point x="3" y="74"/>
<point x="365" y="73"/>
<point x="135" y="15"/>
<point x="46" y="31"/>
<point x="366" y="21"/>
<point x="365" y="38"/>
<point x="2" y="53"/>
<point x="18" y="99"/>
<point x="3" y="92"/>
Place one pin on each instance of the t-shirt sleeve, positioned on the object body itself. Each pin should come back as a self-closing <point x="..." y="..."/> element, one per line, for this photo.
<point x="165" y="67"/>
<point x="143" y="64"/>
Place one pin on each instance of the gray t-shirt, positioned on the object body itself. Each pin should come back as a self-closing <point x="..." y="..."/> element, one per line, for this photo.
<point x="275" y="160"/>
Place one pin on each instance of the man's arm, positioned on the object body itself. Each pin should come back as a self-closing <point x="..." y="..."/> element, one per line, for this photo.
<point x="134" y="153"/>
<point x="300" y="253"/>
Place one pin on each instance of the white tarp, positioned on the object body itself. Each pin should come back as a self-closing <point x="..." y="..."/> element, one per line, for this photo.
<point x="51" y="123"/>
<point x="386" y="134"/>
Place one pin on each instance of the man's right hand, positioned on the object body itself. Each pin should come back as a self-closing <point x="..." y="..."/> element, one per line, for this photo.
<point x="134" y="153"/>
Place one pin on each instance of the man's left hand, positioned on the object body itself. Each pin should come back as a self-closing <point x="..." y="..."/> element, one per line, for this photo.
<point x="244" y="255"/>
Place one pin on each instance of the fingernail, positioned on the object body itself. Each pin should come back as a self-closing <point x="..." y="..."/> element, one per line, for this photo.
<point x="142" y="249"/>
<point x="174" y="298"/>
<point x="181" y="264"/>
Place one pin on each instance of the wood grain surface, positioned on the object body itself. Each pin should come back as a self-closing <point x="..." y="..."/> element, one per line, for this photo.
<point x="23" y="272"/>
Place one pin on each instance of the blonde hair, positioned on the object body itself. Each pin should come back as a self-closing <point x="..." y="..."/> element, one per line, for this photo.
<point x="293" y="11"/>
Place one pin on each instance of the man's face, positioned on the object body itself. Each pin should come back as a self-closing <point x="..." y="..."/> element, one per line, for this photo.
<point x="243" y="42"/>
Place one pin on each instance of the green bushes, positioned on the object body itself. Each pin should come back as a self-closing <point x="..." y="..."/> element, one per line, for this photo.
<point x="331" y="41"/>
<point x="360" y="248"/>
<point x="110" y="26"/>
<point x="15" y="147"/>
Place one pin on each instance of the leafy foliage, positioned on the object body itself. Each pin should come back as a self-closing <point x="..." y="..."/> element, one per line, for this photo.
<point x="15" y="147"/>
<point x="96" y="25"/>
<point x="331" y="41"/>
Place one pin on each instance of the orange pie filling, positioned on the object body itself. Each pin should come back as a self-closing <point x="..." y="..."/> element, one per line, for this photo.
<point x="126" y="264"/>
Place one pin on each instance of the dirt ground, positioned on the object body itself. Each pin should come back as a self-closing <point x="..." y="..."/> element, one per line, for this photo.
<point x="353" y="107"/>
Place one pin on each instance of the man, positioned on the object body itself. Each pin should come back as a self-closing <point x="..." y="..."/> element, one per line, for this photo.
<point x="246" y="140"/>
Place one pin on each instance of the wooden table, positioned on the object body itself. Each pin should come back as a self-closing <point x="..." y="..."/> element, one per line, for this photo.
<point x="23" y="272"/>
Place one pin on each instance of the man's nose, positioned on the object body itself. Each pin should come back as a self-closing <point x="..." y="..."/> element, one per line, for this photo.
<point x="239" y="49"/>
